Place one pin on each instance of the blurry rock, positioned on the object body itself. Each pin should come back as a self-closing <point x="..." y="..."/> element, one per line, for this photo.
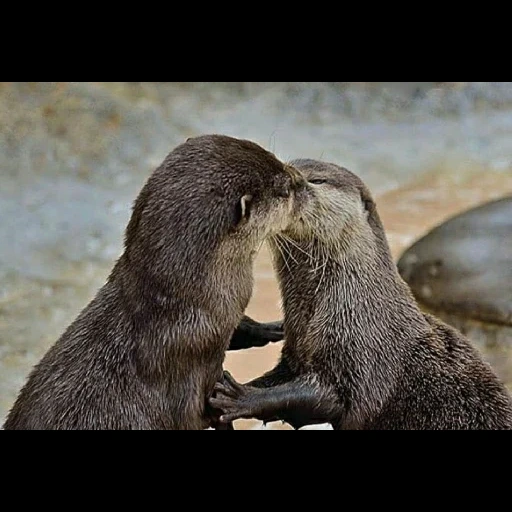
<point x="462" y="272"/>
<point x="82" y="129"/>
<point x="72" y="158"/>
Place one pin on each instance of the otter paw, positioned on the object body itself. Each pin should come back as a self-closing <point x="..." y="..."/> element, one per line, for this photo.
<point x="228" y="386"/>
<point x="232" y="398"/>
<point x="274" y="331"/>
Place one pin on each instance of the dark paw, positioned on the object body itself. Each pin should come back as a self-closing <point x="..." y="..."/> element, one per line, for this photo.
<point x="274" y="331"/>
<point x="251" y="334"/>
<point x="230" y="397"/>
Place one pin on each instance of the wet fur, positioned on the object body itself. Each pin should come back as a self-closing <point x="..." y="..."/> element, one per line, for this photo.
<point x="148" y="349"/>
<point x="359" y="353"/>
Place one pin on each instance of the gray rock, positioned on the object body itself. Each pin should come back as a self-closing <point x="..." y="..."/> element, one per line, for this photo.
<point x="462" y="272"/>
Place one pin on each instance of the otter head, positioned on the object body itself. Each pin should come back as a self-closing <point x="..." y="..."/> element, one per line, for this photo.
<point x="334" y="206"/>
<point x="206" y="210"/>
<point x="332" y="247"/>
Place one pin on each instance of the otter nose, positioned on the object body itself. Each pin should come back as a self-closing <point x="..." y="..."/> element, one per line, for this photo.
<point x="298" y="180"/>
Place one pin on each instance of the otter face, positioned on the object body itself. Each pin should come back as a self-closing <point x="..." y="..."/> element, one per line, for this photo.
<point x="268" y="210"/>
<point x="209" y="195"/>
<point x="332" y="204"/>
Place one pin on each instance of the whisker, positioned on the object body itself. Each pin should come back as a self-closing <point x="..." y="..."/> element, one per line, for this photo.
<point x="296" y="245"/>
<point x="283" y="241"/>
<point x="321" y="264"/>
<point x="277" y="243"/>
<point x="325" y="256"/>
<point x="272" y="141"/>
<point x="258" y="249"/>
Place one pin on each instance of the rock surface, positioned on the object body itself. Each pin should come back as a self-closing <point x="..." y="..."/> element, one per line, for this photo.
<point x="462" y="272"/>
<point x="464" y="266"/>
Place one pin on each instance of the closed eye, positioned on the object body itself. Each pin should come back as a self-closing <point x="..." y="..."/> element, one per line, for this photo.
<point x="317" y="181"/>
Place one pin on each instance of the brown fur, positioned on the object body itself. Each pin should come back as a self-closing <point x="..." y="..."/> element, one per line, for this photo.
<point x="148" y="349"/>
<point x="359" y="353"/>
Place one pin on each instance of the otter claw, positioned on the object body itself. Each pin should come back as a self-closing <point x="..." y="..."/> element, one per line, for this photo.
<point x="219" y="403"/>
<point x="226" y="390"/>
<point x="227" y="418"/>
<point x="230" y="381"/>
<point x="220" y="387"/>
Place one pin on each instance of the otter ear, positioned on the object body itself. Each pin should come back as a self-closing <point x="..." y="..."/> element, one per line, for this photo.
<point x="368" y="205"/>
<point x="243" y="209"/>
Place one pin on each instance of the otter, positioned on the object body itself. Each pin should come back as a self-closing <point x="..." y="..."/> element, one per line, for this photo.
<point x="148" y="349"/>
<point x="359" y="353"/>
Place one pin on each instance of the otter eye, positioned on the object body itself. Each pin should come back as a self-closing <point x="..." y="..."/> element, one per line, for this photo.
<point x="317" y="181"/>
<point x="243" y="209"/>
<point x="368" y="205"/>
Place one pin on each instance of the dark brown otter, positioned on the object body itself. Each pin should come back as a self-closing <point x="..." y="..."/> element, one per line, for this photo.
<point x="148" y="349"/>
<point x="359" y="353"/>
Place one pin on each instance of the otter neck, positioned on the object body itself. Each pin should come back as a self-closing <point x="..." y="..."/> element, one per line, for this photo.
<point x="355" y="287"/>
<point x="220" y="285"/>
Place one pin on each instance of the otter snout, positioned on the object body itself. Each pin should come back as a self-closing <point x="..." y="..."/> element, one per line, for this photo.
<point x="298" y="180"/>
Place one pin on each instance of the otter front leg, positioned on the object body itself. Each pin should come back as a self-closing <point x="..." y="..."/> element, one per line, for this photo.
<point x="280" y="374"/>
<point x="254" y="334"/>
<point x="298" y="402"/>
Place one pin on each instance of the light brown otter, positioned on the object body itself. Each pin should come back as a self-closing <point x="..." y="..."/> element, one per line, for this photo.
<point x="148" y="349"/>
<point x="359" y="353"/>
